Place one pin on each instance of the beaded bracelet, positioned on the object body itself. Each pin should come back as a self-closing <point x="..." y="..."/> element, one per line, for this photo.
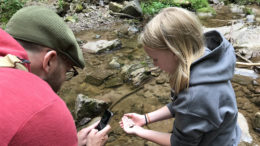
<point x="145" y="120"/>
<point x="148" y="118"/>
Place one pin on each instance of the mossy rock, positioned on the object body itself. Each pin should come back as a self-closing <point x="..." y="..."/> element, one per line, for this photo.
<point x="114" y="82"/>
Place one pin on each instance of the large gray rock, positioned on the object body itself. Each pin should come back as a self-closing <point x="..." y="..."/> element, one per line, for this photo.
<point x="236" y="8"/>
<point x="242" y="36"/>
<point x="115" y="7"/>
<point x="132" y="8"/>
<point x="242" y="122"/>
<point x="136" y="74"/>
<point x="88" y="108"/>
<point x="101" y="46"/>
<point x="97" y="76"/>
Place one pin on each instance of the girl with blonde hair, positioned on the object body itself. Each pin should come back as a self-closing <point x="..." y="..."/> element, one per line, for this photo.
<point x="200" y="67"/>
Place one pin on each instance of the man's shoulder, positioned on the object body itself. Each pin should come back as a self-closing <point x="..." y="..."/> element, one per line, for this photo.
<point x="29" y="107"/>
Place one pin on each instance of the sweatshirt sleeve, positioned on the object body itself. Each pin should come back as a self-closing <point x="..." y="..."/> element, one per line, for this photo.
<point x="188" y="130"/>
<point x="170" y="105"/>
<point x="52" y="125"/>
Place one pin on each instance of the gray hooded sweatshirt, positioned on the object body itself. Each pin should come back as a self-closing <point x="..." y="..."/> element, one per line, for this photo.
<point x="206" y="113"/>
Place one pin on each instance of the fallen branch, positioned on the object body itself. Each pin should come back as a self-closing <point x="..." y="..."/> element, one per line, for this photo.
<point x="243" y="58"/>
<point x="248" y="64"/>
<point x="130" y="93"/>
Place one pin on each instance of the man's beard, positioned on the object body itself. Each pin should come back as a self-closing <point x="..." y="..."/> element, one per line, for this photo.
<point x="55" y="81"/>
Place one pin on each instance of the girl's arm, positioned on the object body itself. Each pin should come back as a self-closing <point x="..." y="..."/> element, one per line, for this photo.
<point x="160" y="138"/>
<point x="159" y="115"/>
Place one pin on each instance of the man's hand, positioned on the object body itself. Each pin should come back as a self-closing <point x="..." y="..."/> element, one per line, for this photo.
<point x="98" y="138"/>
<point x="90" y="136"/>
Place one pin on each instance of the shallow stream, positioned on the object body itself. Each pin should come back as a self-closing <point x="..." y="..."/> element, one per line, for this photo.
<point x="151" y="97"/>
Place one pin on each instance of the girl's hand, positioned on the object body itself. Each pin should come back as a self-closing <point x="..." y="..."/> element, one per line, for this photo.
<point x="129" y="126"/>
<point x="138" y="119"/>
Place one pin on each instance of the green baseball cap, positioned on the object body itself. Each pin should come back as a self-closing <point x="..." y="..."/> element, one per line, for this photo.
<point x="43" y="26"/>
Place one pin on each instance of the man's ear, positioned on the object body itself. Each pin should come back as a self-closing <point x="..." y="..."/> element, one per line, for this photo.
<point x="49" y="60"/>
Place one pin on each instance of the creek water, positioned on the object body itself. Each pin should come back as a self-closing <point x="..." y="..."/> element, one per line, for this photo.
<point x="149" y="98"/>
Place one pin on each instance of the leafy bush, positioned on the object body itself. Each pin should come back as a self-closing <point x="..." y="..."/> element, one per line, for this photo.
<point x="152" y="7"/>
<point x="8" y="8"/>
<point x="198" y="4"/>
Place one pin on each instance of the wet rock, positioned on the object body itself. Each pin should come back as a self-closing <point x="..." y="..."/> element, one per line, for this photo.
<point x="136" y="73"/>
<point x="114" y="82"/>
<point x="257" y="90"/>
<point x="242" y="36"/>
<point x="88" y="108"/>
<point x="255" y="83"/>
<point x="247" y="38"/>
<point x="237" y="8"/>
<point x="250" y="18"/>
<point x="114" y="64"/>
<point x="132" y="30"/>
<point x="242" y="122"/>
<point x="97" y="36"/>
<point x="115" y="7"/>
<point x="97" y="76"/>
<point x="204" y="15"/>
<point x="225" y="30"/>
<point x="132" y="8"/>
<point x="256" y="100"/>
<point x="155" y="71"/>
<point x="160" y="81"/>
<point x="256" y="122"/>
<point x="101" y="46"/>
<point x="245" y="52"/>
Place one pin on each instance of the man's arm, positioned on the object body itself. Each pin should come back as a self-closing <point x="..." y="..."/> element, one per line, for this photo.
<point x="51" y="125"/>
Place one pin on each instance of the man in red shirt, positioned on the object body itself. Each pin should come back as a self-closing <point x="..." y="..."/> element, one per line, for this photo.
<point x="35" y="59"/>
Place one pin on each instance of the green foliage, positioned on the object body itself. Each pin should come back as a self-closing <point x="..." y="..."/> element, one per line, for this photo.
<point x="198" y="4"/>
<point x="152" y="7"/>
<point x="207" y="10"/>
<point x="248" y="11"/>
<point x="60" y="4"/>
<point x="8" y="8"/>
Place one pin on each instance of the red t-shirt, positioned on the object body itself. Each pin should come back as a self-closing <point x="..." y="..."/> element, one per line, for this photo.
<point x="31" y="113"/>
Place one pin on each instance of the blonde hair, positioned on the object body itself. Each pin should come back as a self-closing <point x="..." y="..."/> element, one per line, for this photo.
<point x="180" y="31"/>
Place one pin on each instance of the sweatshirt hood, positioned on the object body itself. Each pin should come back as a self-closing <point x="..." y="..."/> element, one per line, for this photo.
<point x="8" y="45"/>
<point x="217" y="64"/>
